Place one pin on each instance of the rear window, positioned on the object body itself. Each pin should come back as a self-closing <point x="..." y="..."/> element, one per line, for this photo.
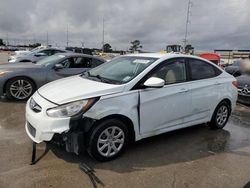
<point x="202" y="70"/>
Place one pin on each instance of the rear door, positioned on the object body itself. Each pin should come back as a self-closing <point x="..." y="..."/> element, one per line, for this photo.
<point x="205" y="88"/>
<point x="162" y="108"/>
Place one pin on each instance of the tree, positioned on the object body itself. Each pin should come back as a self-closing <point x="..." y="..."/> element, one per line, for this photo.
<point x="107" y="47"/>
<point x="1" y="42"/>
<point x="135" y="45"/>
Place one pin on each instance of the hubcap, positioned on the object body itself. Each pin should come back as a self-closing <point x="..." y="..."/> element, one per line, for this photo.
<point x="222" y="115"/>
<point x="110" y="141"/>
<point x="21" y="89"/>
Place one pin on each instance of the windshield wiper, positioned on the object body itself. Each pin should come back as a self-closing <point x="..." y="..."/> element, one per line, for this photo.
<point x="102" y="79"/>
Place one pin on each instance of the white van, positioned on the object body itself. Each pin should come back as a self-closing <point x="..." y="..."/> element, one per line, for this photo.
<point x="130" y="98"/>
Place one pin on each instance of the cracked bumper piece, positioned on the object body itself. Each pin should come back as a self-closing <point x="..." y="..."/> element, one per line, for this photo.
<point x="41" y="127"/>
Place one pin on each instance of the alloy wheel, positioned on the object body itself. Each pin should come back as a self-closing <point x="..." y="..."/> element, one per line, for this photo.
<point x="222" y="115"/>
<point x="110" y="141"/>
<point x="21" y="89"/>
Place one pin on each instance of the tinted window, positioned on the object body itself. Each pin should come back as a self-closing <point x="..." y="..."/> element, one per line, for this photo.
<point x="172" y="72"/>
<point x="58" y="51"/>
<point x="202" y="70"/>
<point x="83" y="62"/>
<point x="96" y="63"/>
<point x="77" y="62"/>
<point x="48" y="52"/>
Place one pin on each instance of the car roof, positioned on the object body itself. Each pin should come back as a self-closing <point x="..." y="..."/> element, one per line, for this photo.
<point x="163" y="55"/>
<point x="73" y="54"/>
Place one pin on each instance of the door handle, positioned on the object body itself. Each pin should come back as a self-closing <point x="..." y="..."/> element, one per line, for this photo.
<point x="183" y="90"/>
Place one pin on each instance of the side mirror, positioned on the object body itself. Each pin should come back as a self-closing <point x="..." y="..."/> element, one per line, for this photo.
<point x="58" y="66"/>
<point x="154" y="82"/>
<point x="40" y="54"/>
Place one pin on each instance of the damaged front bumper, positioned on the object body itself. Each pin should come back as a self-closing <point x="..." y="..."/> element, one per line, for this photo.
<point x="68" y="131"/>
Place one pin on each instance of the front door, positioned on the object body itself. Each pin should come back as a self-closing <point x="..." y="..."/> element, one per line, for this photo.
<point x="162" y="108"/>
<point x="72" y="66"/>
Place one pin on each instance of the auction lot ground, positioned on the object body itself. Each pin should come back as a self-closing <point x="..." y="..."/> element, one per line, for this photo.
<point x="192" y="157"/>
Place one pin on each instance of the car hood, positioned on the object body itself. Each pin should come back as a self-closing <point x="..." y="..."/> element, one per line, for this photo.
<point x="11" y="66"/>
<point x="243" y="80"/>
<point x="76" y="88"/>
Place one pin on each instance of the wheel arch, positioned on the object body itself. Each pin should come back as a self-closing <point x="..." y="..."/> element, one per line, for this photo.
<point x="25" y="61"/>
<point x="127" y="121"/>
<point x="27" y="77"/>
<point x="227" y="100"/>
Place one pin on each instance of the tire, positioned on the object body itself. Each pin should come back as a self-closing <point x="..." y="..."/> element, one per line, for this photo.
<point x="220" y="116"/>
<point x="19" y="88"/>
<point x="102" y="140"/>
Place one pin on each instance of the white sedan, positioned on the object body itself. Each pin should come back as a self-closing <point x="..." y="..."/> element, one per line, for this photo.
<point x="130" y="98"/>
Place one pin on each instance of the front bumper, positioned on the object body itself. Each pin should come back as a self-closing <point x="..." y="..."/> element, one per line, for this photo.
<point x="41" y="127"/>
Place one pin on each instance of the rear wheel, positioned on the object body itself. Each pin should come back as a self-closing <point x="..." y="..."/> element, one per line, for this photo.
<point x="19" y="88"/>
<point x="108" y="140"/>
<point x="220" y="116"/>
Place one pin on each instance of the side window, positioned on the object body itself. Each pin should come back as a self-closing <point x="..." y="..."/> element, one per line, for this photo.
<point x="47" y="52"/>
<point x="172" y="72"/>
<point x="202" y="70"/>
<point x="68" y="63"/>
<point x="58" y="51"/>
<point x="82" y="62"/>
<point x="96" y="63"/>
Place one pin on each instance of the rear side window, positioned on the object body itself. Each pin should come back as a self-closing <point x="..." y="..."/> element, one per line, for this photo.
<point x="202" y="70"/>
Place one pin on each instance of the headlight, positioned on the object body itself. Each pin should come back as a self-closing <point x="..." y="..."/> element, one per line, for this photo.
<point x="2" y="73"/>
<point x="71" y="109"/>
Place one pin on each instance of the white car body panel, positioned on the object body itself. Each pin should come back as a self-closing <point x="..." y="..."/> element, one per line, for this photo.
<point x="183" y="104"/>
<point x="46" y="128"/>
<point x="83" y="88"/>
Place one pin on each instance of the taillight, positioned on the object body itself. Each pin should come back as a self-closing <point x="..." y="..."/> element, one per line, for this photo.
<point x="235" y="83"/>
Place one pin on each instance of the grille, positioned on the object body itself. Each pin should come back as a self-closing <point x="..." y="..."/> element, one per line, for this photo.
<point x="31" y="129"/>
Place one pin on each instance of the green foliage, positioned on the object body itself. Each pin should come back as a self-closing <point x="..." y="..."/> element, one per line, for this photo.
<point x="107" y="47"/>
<point x="135" y="45"/>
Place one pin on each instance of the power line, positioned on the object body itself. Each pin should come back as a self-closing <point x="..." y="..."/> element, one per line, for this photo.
<point x="47" y="39"/>
<point x="67" y="35"/>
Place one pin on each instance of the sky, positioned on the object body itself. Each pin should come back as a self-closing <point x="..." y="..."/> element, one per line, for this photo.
<point x="214" y="24"/>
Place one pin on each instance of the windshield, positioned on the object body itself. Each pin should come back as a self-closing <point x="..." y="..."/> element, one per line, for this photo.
<point x="51" y="60"/>
<point x="122" y="69"/>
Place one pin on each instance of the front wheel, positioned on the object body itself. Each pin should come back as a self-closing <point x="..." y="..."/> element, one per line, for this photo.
<point x="19" y="88"/>
<point x="108" y="140"/>
<point x="220" y="116"/>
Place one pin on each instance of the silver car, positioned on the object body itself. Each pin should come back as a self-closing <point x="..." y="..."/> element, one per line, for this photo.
<point x="34" y="56"/>
<point x="19" y="81"/>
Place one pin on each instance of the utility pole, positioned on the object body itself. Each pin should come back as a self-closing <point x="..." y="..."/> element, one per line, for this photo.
<point x="103" y="35"/>
<point x="187" y="22"/>
<point x="67" y="35"/>
<point x="47" y="39"/>
<point x="82" y="43"/>
<point x="7" y="39"/>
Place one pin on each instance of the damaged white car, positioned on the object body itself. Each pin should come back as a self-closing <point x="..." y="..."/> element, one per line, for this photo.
<point x="130" y="98"/>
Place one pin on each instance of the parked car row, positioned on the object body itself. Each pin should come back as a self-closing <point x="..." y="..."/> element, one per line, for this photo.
<point x="20" y="80"/>
<point x="127" y="99"/>
<point x="34" y="56"/>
